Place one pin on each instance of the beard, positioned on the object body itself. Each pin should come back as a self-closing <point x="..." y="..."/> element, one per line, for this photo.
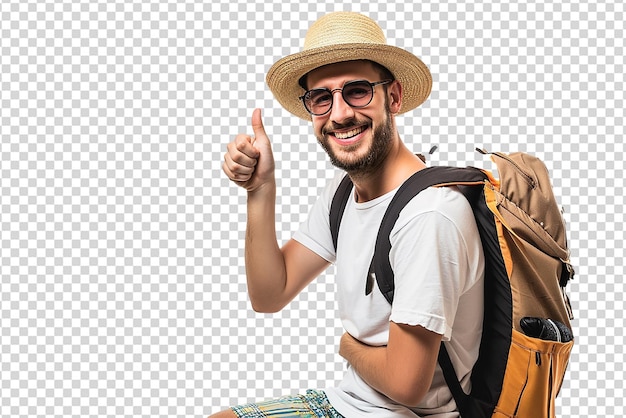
<point x="366" y="163"/>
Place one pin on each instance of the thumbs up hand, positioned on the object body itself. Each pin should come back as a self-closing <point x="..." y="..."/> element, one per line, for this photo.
<point x="249" y="161"/>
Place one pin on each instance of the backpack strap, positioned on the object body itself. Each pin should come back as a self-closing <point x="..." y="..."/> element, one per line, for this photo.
<point x="461" y="398"/>
<point x="431" y="176"/>
<point x="428" y="177"/>
<point x="338" y="206"/>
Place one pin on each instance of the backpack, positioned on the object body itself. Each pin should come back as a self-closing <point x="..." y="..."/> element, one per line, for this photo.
<point x="526" y="339"/>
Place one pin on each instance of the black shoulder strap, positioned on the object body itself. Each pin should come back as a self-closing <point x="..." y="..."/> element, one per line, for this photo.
<point x="410" y="188"/>
<point x="432" y="176"/>
<point x="463" y="400"/>
<point x="338" y="206"/>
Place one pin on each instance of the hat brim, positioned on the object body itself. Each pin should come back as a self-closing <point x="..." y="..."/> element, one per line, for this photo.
<point x="413" y="74"/>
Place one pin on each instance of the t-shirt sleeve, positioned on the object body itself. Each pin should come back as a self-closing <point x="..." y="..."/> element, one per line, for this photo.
<point x="430" y="261"/>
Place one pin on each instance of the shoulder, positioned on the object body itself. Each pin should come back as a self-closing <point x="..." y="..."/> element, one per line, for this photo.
<point x="446" y="203"/>
<point x="442" y="214"/>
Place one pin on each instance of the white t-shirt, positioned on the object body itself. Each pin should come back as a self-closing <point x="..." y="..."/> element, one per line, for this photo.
<point x="438" y="263"/>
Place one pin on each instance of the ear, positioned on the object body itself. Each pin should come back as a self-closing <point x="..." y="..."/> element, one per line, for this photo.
<point x="394" y="92"/>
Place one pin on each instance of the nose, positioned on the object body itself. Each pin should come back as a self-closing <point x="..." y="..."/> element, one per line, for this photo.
<point x="340" y="110"/>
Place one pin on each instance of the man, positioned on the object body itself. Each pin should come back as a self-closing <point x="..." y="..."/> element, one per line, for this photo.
<point x="352" y="85"/>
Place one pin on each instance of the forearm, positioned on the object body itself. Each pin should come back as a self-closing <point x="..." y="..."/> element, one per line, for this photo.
<point x="402" y="370"/>
<point x="369" y="362"/>
<point x="265" y="264"/>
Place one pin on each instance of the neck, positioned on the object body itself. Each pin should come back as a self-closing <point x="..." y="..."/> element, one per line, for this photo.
<point x="398" y="166"/>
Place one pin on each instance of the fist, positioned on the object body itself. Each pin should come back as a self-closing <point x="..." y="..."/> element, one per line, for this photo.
<point x="249" y="161"/>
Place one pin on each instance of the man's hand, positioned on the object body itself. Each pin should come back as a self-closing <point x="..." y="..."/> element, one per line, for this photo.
<point x="249" y="161"/>
<point x="348" y="346"/>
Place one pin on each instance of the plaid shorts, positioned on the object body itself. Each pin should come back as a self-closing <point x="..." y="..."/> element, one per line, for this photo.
<point x="313" y="404"/>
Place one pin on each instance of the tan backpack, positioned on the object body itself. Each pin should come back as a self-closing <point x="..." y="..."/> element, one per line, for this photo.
<point x="527" y="338"/>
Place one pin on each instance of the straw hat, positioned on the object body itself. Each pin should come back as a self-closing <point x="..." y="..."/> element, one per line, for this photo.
<point x="347" y="36"/>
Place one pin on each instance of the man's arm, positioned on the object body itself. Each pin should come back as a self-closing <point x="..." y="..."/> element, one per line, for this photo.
<point x="274" y="275"/>
<point x="403" y="370"/>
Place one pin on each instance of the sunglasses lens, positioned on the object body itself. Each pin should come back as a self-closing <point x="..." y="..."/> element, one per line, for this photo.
<point x="318" y="101"/>
<point x="358" y="93"/>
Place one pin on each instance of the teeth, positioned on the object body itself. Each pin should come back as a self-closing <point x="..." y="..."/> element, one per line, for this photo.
<point x="349" y="134"/>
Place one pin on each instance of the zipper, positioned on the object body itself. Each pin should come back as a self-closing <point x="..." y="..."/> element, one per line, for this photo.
<point x="521" y="172"/>
<point x="550" y="385"/>
<point x="539" y="363"/>
<point x="521" y="395"/>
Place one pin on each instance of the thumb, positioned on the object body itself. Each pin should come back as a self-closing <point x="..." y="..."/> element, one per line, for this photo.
<point x="257" y="126"/>
<point x="264" y="169"/>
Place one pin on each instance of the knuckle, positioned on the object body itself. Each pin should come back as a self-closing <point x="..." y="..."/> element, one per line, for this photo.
<point x="241" y="142"/>
<point x="237" y="169"/>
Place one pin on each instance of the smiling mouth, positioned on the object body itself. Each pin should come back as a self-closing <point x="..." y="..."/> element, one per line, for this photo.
<point x="348" y="134"/>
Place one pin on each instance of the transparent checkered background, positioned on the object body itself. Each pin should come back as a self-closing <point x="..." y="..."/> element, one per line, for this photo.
<point x="122" y="289"/>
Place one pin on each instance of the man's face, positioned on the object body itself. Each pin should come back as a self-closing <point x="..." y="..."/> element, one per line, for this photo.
<point x="357" y="140"/>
